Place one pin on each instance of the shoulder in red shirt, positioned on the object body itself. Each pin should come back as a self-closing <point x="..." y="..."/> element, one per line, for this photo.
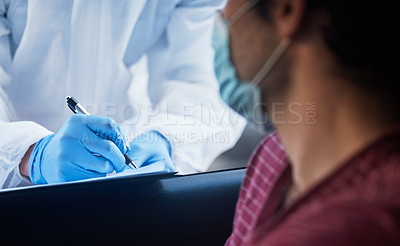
<point x="359" y="204"/>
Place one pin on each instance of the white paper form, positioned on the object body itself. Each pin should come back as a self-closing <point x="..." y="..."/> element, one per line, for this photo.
<point x="157" y="168"/>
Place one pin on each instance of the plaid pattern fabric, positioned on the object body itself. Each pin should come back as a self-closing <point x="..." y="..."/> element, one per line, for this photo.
<point x="358" y="204"/>
<point x="266" y="165"/>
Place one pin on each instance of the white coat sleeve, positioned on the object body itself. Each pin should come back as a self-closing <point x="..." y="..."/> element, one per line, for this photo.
<point x="183" y="88"/>
<point x="15" y="137"/>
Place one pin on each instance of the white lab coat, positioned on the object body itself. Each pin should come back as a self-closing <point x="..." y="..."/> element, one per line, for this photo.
<point x="53" y="48"/>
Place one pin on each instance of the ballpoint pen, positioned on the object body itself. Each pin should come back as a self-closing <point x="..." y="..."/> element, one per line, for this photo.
<point x="77" y="108"/>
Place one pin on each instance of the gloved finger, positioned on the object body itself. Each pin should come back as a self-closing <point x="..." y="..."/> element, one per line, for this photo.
<point x="143" y="158"/>
<point x="128" y="148"/>
<point x="147" y="160"/>
<point x="108" y="129"/>
<point x="169" y="165"/>
<point x="139" y="156"/>
<point x="75" y="174"/>
<point x="108" y="150"/>
<point x="89" y="161"/>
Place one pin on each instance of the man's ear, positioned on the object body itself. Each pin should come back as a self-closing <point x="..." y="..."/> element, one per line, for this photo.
<point x="288" y="17"/>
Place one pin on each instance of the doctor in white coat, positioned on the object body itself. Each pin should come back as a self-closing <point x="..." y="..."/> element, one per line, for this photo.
<point x="53" y="48"/>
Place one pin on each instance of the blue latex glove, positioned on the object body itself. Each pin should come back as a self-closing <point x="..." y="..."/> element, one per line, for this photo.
<point x="149" y="148"/>
<point x="69" y="154"/>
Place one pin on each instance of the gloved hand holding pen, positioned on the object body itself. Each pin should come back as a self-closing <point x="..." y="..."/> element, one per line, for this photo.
<point x="85" y="147"/>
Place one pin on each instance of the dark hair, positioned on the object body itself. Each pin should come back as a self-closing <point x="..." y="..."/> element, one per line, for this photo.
<point x="362" y="36"/>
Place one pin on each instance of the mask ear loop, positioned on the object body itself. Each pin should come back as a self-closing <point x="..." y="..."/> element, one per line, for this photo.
<point x="261" y="118"/>
<point x="241" y="12"/>
<point x="272" y="61"/>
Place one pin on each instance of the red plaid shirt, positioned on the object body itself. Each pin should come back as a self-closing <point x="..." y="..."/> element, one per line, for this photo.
<point x="359" y="204"/>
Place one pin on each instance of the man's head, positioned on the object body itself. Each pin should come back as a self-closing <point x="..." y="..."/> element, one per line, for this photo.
<point x="337" y="47"/>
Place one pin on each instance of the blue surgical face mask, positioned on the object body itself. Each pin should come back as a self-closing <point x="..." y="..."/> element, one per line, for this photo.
<point x="242" y="96"/>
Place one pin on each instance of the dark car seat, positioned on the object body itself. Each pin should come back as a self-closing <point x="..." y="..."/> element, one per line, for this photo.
<point x="181" y="210"/>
